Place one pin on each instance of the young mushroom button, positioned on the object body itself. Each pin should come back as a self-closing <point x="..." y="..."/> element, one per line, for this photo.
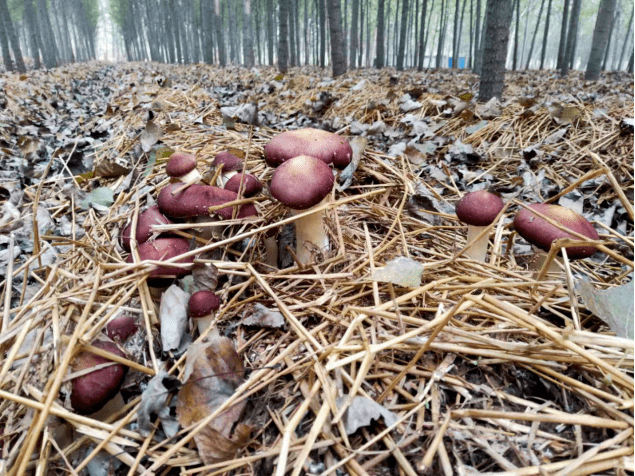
<point x="302" y="183"/>
<point x="478" y="210"/>
<point x="182" y="166"/>
<point x="202" y="306"/>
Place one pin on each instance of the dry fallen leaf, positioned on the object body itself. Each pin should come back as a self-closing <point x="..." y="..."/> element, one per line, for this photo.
<point x="402" y="271"/>
<point x="264" y="317"/>
<point x="150" y="135"/>
<point x="213" y="371"/>
<point x="362" y="411"/>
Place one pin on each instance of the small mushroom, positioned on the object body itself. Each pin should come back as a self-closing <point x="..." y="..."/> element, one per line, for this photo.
<point x="149" y="217"/>
<point x="323" y="145"/>
<point x="93" y="390"/>
<point x="478" y="210"/>
<point x="163" y="249"/>
<point x="231" y="166"/>
<point x="302" y="183"/>
<point x="182" y="166"/>
<point x="540" y="233"/>
<point x="251" y="185"/>
<point x="121" y="327"/>
<point x="271" y="247"/>
<point x="201" y="308"/>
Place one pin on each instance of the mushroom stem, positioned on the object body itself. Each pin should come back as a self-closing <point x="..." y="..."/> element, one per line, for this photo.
<point x="477" y="250"/>
<point x="225" y="176"/>
<point x="191" y="177"/>
<point x="202" y="323"/>
<point x="309" y="235"/>
<point x="271" y="250"/>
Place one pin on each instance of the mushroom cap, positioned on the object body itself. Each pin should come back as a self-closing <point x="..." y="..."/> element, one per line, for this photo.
<point x="180" y="164"/>
<point x="163" y="249"/>
<point x="301" y="182"/>
<point x="251" y="186"/>
<point x="93" y="390"/>
<point x="479" y="208"/>
<point x="203" y="303"/>
<point x="147" y="218"/>
<point x="326" y="146"/>
<point x="121" y="327"/>
<point x="541" y="233"/>
<point x="196" y="199"/>
<point x="230" y="162"/>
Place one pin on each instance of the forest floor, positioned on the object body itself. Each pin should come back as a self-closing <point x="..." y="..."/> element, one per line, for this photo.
<point x="393" y="350"/>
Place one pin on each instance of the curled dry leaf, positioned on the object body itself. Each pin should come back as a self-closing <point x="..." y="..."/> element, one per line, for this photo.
<point x="264" y="317"/>
<point x="113" y="167"/>
<point x="173" y="317"/>
<point x="362" y="411"/>
<point x="150" y="135"/>
<point x="213" y="371"/>
<point x="402" y="271"/>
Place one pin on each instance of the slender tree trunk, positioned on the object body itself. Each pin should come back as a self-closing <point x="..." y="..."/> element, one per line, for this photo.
<point x="31" y="21"/>
<point x="455" y="34"/>
<point x="469" y="64"/>
<point x="458" y="41"/>
<point x="499" y="15"/>
<point x="322" y="15"/>
<point x="4" y="42"/>
<point x="629" y="68"/>
<point x="380" y="58"/>
<point x="625" y="44"/>
<point x="481" y="36"/>
<point x="571" y="38"/>
<point x="270" y="32"/>
<point x="600" y="39"/>
<point x="307" y="32"/>
<point x="338" y="46"/>
<point x="562" y="47"/>
<point x="220" y="41"/>
<point x="516" y="36"/>
<point x="545" y="36"/>
<point x="5" y="21"/>
<point x="421" y="49"/>
<point x="360" y="49"/>
<point x="477" y="34"/>
<point x="402" y="35"/>
<point x="608" y="42"/>
<point x="441" y="35"/>
<point x="292" y="60"/>
<point x="427" y="37"/>
<point x="353" y="43"/>
<point x="533" y="38"/>
<point x="283" y="39"/>
<point x="248" y="39"/>
<point x="50" y="58"/>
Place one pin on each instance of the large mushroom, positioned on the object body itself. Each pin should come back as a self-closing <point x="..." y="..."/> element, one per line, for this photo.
<point x="323" y="145"/>
<point x="149" y="217"/>
<point x="478" y="210"/>
<point x="201" y="308"/>
<point x="540" y="233"/>
<point x="92" y="390"/>
<point x="301" y="183"/>
<point x="182" y="166"/>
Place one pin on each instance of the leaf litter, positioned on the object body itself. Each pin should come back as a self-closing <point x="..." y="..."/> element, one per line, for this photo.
<point x="529" y="360"/>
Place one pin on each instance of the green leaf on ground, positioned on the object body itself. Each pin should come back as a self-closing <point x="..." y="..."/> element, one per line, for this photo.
<point x="614" y="306"/>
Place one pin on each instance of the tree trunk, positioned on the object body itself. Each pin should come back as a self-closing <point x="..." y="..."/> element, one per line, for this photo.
<point x="427" y="37"/>
<point x="4" y="42"/>
<point x="458" y="41"/>
<point x="562" y="47"/>
<point x="571" y="38"/>
<point x="630" y="61"/>
<point x="354" y="20"/>
<point x="360" y="49"/>
<point x="422" y="51"/>
<point x="533" y="38"/>
<point x="608" y="42"/>
<point x="248" y="39"/>
<point x="441" y="35"/>
<point x="283" y="39"/>
<point x="455" y="33"/>
<point x="220" y="41"/>
<point x="270" y="32"/>
<point x="469" y="64"/>
<point x="291" y="23"/>
<point x="31" y="21"/>
<point x="600" y="39"/>
<point x="516" y="36"/>
<point x="380" y="56"/>
<point x="545" y="36"/>
<point x="230" y="13"/>
<point x="477" y="34"/>
<point x="5" y="19"/>
<point x="625" y="44"/>
<point x="322" y="15"/>
<point x="338" y="45"/>
<point x="402" y="34"/>
<point x="481" y="35"/>
<point x="499" y="14"/>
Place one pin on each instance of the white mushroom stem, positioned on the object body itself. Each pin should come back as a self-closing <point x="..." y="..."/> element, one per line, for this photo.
<point x="225" y="176"/>
<point x="191" y="177"/>
<point x="477" y="249"/>
<point x="202" y="323"/>
<point x="309" y="235"/>
<point x="271" y="250"/>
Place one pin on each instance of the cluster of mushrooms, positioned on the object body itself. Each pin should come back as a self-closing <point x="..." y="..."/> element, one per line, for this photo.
<point x="303" y="179"/>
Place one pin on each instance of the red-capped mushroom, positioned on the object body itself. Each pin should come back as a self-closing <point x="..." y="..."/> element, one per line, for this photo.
<point x="163" y="249"/>
<point x="121" y="327"/>
<point x="302" y="183"/>
<point x="323" y="145"/>
<point x="478" y="210"/>
<point x="201" y="308"/>
<point x="271" y="247"/>
<point x="93" y="390"/>
<point x="182" y="166"/>
<point x="231" y="165"/>
<point x="540" y="233"/>
<point x="196" y="200"/>
<point x="149" y="217"/>
<point x="250" y="184"/>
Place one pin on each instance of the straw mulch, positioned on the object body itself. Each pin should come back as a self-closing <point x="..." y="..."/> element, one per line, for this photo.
<point x="487" y="369"/>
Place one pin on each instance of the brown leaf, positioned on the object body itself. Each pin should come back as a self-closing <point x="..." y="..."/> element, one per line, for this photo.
<point x="213" y="371"/>
<point x="205" y="276"/>
<point x="150" y="135"/>
<point x="113" y="167"/>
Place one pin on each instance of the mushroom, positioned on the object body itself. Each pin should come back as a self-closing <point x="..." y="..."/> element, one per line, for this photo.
<point x="163" y="249"/>
<point x="271" y="247"/>
<point x="302" y="183"/>
<point x="182" y="166"/>
<point x="540" y="233"/>
<point x="196" y="200"/>
<point x="91" y="391"/>
<point x="149" y="217"/>
<point x="478" y="210"/>
<point x="323" y="145"/>
<point x="231" y="165"/>
<point x="251" y="185"/>
<point x="121" y="327"/>
<point x="201" y="308"/>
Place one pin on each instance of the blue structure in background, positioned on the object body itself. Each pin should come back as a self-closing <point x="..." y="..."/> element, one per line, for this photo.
<point x="461" y="62"/>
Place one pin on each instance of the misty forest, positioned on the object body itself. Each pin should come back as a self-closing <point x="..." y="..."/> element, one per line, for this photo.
<point x="317" y="237"/>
